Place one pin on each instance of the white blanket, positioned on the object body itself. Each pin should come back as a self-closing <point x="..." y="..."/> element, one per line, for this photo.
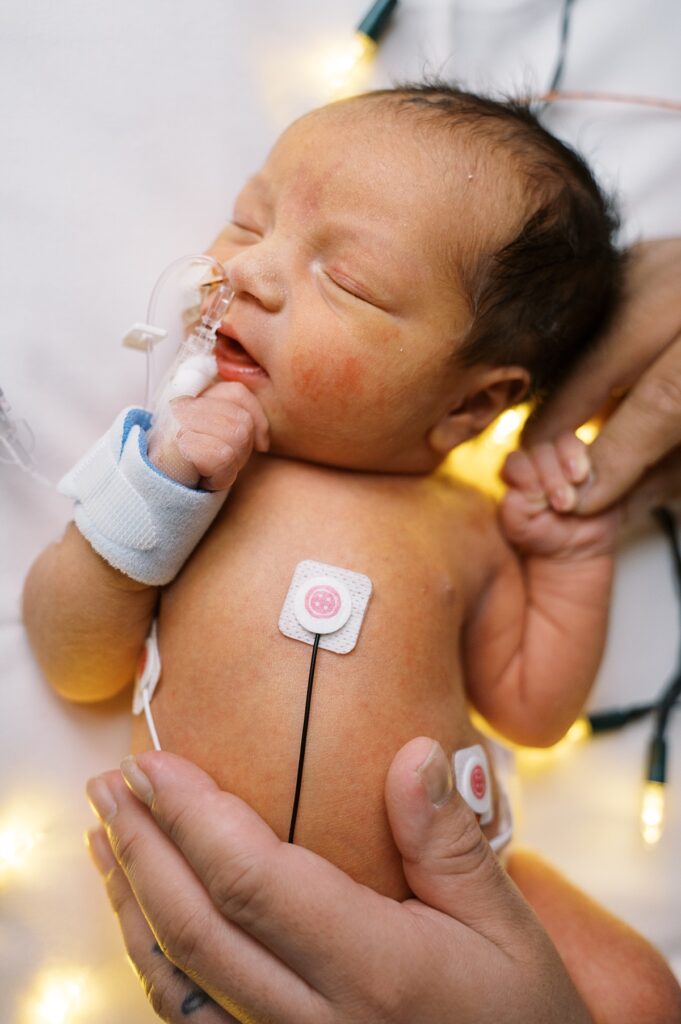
<point x="127" y="129"/>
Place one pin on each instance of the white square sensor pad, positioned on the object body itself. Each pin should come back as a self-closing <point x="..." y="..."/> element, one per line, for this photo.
<point x="327" y="600"/>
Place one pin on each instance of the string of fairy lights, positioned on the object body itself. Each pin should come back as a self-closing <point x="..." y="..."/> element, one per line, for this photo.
<point x="64" y="995"/>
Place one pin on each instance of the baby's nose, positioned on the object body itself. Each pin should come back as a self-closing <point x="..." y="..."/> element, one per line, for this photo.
<point x="254" y="274"/>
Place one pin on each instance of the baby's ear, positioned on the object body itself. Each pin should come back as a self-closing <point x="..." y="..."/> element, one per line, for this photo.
<point x="491" y="391"/>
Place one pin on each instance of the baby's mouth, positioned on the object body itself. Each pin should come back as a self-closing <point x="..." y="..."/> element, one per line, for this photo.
<point x="233" y="360"/>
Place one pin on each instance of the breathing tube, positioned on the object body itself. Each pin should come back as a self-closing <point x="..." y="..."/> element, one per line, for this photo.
<point x="205" y="297"/>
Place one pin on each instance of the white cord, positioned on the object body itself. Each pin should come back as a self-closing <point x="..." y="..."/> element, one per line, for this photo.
<point x="150" y="720"/>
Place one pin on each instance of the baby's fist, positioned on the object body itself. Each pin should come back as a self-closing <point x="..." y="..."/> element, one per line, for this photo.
<point x="537" y="513"/>
<point x="211" y="437"/>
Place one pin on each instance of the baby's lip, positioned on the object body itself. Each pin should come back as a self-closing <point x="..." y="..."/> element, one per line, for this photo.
<point x="231" y="353"/>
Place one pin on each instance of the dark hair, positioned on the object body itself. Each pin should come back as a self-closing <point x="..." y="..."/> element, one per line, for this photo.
<point x="542" y="298"/>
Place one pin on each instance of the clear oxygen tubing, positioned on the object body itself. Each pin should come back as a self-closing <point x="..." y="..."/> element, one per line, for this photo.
<point x="13" y="450"/>
<point x="219" y="276"/>
<point x="192" y="370"/>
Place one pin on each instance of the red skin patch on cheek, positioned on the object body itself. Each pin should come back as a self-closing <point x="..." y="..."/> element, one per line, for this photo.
<point x="338" y="380"/>
<point x="348" y="378"/>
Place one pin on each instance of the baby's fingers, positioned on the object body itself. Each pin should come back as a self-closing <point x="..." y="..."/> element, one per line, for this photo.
<point x="549" y="472"/>
<point x="562" y="466"/>
<point x="238" y="394"/>
<point x="520" y="472"/>
<point x="216" y="462"/>
<point x="554" y="481"/>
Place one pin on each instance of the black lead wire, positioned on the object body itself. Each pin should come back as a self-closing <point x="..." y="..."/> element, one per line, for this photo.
<point x="562" y="46"/>
<point x="559" y="66"/>
<point x="303" y="738"/>
<point x="672" y="692"/>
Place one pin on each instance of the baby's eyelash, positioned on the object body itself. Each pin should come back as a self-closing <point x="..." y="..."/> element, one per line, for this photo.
<point x="349" y="290"/>
<point x="247" y="230"/>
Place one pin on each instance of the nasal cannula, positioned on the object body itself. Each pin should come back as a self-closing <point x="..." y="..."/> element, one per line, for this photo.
<point x="12" y="450"/>
<point x="193" y="368"/>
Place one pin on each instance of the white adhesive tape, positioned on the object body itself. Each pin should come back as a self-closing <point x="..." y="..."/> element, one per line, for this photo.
<point x="328" y="600"/>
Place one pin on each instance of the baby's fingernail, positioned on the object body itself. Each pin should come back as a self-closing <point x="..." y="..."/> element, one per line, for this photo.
<point x="137" y="781"/>
<point x="539" y="500"/>
<point x="579" y="466"/>
<point x="563" y="498"/>
<point x="101" y="799"/>
<point x="100" y="851"/>
<point x="436" y="775"/>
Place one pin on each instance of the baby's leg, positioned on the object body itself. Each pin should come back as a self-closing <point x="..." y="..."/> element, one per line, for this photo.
<point x="620" y="976"/>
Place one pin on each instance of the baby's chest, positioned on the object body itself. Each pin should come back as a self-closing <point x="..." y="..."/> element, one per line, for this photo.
<point x="411" y="565"/>
<point x="233" y="686"/>
<point x="225" y="624"/>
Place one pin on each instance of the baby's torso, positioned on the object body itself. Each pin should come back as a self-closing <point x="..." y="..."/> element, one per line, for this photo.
<point x="232" y="691"/>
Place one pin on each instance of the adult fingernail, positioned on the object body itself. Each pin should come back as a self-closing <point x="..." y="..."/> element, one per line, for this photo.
<point x="588" y="482"/>
<point x="100" y="851"/>
<point x="436" y="775"/>
<point x="137" y="781"/>
<point x="580" y="466"/>
<point x="101" y="799"/>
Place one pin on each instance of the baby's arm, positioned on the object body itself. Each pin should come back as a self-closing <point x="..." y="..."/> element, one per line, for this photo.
<point x="87" y="621"/>
<point x="533" y="645"/>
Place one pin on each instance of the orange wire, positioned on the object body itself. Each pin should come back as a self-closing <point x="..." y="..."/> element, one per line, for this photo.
<point x="612" y="97"/>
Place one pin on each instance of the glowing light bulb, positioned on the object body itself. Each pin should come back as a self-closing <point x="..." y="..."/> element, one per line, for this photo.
<point x="578" y="731"/>
<point x="479" y="460"/>
<point x="17" y="839"/>
<point x="652" y="812"/>
<point x="344" y="68"/>
<point x="58" y="996"/>
<point x="588" y="432"/>
<point x="508" y="425"/>
<point x="536" y="758"/>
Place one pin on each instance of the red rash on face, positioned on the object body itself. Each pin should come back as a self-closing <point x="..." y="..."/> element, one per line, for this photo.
<point x="338" y="380"/>
<point x="337" y="254"/>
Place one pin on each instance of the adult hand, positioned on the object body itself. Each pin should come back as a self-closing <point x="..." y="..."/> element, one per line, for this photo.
<point x="638" y="364"/>
<point x="268" y="931"/>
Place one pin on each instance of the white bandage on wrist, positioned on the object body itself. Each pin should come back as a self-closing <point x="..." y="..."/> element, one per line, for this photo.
<point x="135" y="517"/>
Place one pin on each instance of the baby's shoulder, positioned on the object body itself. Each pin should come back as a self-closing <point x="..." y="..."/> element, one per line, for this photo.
<point x="472" y="507"/>
<point x="435" y="511"/>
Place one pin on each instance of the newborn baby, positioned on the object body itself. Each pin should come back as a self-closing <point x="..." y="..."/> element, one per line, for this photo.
<point x="406" y="265"/>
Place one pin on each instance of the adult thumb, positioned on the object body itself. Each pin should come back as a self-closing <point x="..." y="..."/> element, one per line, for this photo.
<point x="447" y="861"/>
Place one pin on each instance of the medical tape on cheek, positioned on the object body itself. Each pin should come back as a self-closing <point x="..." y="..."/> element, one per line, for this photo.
<point x="140" y="521"/>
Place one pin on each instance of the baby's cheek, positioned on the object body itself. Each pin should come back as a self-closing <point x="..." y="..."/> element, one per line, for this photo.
<point x="340" y="380"/>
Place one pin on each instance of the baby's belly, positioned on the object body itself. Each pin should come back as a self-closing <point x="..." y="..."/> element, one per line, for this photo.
<point x="233" y="688"/>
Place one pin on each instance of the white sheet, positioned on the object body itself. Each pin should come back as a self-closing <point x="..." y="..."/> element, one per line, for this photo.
<point x="127" y="129"/>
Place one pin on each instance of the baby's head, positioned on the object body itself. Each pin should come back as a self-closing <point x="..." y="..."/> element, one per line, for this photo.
<point x="407" y="264"/>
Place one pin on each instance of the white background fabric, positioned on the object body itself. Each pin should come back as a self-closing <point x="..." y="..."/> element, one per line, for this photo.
<point x="127" y="129"/>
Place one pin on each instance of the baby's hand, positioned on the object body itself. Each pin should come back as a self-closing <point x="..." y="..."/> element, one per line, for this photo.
<point x="536" y="511"/>
<point x="214" y="436"/>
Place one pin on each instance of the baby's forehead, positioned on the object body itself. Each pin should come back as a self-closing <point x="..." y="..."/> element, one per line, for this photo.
<point x="369" y="150"/>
